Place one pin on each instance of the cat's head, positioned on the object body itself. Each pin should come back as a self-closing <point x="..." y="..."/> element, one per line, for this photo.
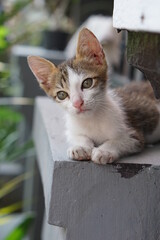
<point x="78" y="84"/>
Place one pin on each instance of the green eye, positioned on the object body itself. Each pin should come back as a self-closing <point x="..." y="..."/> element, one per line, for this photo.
<point x="87" y="83"/>
<point x="62" y="95"/>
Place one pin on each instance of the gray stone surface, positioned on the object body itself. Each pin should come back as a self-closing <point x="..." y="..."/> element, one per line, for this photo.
<point x="52" y="232"/>
<point x="119" y="201"/>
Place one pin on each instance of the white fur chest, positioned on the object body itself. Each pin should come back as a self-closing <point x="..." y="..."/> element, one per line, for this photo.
<point x="97" y="128"/>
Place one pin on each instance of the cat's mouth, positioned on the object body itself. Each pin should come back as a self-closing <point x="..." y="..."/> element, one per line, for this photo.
<point x="80" y="111"/>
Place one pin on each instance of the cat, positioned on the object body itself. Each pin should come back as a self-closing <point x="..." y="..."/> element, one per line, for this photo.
<point x="102" y="124"/>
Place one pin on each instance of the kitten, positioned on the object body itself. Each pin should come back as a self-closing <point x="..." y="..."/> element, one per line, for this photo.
<point x="102" y="124"/>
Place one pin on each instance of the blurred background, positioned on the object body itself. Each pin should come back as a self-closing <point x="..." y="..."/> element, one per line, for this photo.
<point x="47" y="28"/>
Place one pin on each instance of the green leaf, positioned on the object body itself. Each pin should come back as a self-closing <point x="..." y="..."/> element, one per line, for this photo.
<point x="10" y="149"/>
<point x="10" y="209"/>
<point x="20" y="151"/>
<point x="9" y="115"/>
<point x="3" y="31"/>
<point x="20" y="231"/>
<point x="3" y="37"/>
<point x="11" y="185"/>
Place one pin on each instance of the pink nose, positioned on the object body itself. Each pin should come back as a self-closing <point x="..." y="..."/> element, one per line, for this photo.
<point x="78" y="103"/>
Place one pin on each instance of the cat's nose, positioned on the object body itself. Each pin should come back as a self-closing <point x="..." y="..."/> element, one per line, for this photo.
<point x="78" y="103"/>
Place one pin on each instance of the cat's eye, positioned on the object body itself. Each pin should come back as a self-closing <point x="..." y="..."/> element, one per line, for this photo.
<point x="62" y="95"/>
<point x="87" y="83"/>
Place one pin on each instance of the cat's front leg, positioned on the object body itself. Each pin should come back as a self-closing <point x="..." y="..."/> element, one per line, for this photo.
<point x="82" y="148"/>
<point x="113" y="149"/>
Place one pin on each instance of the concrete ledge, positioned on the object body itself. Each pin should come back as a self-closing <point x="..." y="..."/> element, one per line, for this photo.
<point x="117" y="201"/>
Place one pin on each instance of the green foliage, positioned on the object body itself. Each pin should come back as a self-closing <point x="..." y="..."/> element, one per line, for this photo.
<point x="17" y="6"/>
<point x="6" y="212"/>
<point x="6" y="39"/>
<point x="9" y="117"/>
<point x="20" y="231"/>
<point x="5" y="43"/>
<point x="10" y="147"/>
<point x="11" y="185"/>
<point x="3" y="38"/>
<point x="4" y="74"/>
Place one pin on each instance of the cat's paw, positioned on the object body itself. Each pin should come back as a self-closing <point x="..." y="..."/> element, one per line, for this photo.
<point x="79" y="153"/>
<point x="103" y="157"/>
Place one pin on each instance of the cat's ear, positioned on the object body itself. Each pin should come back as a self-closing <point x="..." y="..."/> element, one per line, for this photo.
<point x="43" y="71"/>
<point x="89" y="47"/>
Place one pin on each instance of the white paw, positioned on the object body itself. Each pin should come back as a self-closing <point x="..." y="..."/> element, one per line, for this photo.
<point x="79" y="153"/>
<point x="100" y="156"/>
